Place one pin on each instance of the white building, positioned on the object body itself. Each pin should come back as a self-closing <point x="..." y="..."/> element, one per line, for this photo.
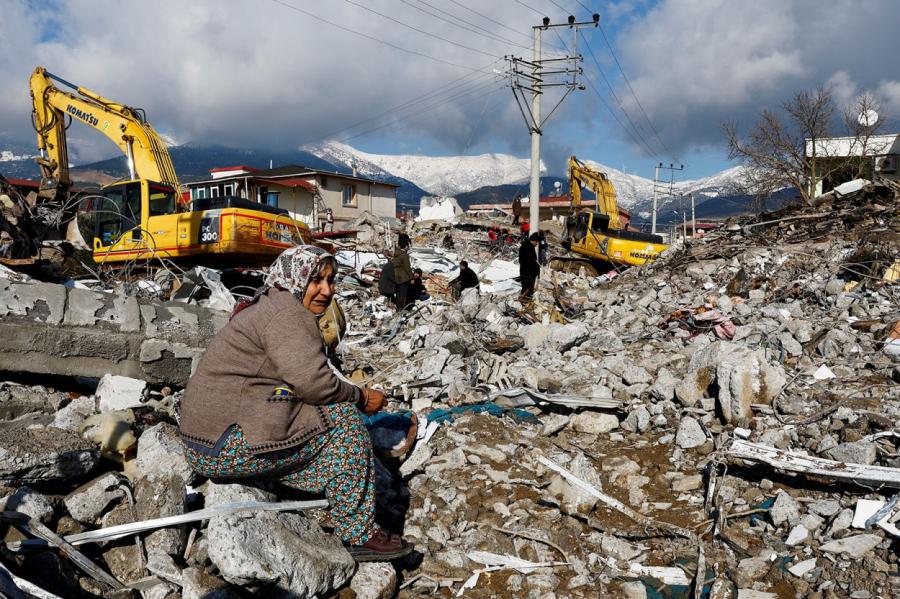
<point x="877" y="154"/>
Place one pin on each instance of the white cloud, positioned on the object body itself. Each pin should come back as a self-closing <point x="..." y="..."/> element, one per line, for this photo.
<point x="696" y="63"/>
<point x="251" y="73"/>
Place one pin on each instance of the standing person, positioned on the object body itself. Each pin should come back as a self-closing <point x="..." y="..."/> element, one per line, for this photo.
<point x="402" y="271"/>
<point x="264" y="404"/>
<point x="529" y="267"/>
<point x="466" y="280"/>
<point x="517" y="209"/>
<point x="329" y="218"/>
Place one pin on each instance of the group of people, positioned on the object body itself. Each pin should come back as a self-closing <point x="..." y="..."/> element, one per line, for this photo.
<point x="399" y="280"/>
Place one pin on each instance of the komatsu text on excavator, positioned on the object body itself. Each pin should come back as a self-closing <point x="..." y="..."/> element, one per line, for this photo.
<point x="140" y="219"/>
<point x="599" y="235"/>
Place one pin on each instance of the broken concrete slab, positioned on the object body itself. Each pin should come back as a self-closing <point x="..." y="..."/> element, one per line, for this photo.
<point x="594" y="423"/>
<point x="89" y="501"/>
<point x="44" y="455"/>
<point x="287" y="551"/>
<point x="120" y="393"/>
<point x="28" y="501"/>
<point x="374" y="580"/>
<point x="160" y="452"/>
<point x="855" y="547"/>
<point x="690" y="434"/>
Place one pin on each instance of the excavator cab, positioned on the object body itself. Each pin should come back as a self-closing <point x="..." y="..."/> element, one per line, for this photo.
<point x="122" y="213"/>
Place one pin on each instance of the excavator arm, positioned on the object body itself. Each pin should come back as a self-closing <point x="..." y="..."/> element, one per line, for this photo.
<point x="148" y="157"/>
<point x="580" y="175"/>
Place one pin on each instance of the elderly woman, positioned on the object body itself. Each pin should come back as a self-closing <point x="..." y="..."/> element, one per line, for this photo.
<point x="265" y="404"/>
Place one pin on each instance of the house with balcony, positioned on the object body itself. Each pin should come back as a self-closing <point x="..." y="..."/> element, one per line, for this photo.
<point x="304" y="192"/>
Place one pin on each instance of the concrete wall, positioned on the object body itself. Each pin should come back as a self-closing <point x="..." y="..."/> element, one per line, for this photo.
<point x="370" y="197"/>
<point x="48" y="329"/>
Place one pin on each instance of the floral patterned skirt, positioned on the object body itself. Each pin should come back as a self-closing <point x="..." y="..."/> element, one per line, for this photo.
<point x="338" y="462"/>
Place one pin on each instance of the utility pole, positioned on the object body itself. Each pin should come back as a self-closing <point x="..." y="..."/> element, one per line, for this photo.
<point x="693" y="219"/>
<point x="540" y="77"/>
<point x="660" y="185"/>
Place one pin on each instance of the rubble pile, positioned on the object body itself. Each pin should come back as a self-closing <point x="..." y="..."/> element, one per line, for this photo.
<point x="722" y="423"/>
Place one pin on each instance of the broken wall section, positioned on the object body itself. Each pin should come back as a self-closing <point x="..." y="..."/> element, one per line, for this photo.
<point x="50" y="329"/>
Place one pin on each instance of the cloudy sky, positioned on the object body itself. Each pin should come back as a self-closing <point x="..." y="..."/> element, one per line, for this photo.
<point x="420" y="76"/>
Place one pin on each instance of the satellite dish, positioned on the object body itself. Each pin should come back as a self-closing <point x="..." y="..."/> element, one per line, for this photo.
<point x="867" y="118"/>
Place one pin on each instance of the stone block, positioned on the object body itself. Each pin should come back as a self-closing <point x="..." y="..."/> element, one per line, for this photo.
<point x="90" y="500"/>
<point x="160" y="453"/>
<point x="45" y="454"/>
<point x="288" y="551"/>
<point x="120" y="393"/>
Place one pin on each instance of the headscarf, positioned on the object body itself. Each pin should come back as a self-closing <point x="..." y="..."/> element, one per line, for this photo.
<point x="292" y="271"/>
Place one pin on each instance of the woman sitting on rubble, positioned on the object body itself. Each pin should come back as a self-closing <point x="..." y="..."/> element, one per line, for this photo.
<point x="264" y="403"/>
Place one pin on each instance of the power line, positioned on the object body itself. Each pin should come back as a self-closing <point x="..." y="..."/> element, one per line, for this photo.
<point x="487" y="34"/>
<point x="487" y="18"/>
<point x="373" y="38"/>
<point x="422" y="31"/>
<point x="494" y="21"/>
<point x="533" y="9"/>
<point x="615" y="97"/>
<point x="638" y="143"/>
<point x="455" y="84"/>
<point x="631" y="89"/>
<point x="429" y="109"/>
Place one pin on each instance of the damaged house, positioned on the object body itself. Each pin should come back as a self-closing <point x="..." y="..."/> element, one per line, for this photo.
<point x="304" y="192"/>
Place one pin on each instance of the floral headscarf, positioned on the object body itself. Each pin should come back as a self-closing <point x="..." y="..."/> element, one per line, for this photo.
<point x="292" y="271"/>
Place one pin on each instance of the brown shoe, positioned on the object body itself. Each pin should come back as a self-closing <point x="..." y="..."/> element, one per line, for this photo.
<point x="381" y="547"/>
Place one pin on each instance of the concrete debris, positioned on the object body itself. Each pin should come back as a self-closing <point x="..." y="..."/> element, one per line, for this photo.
<point x="287" y="551"/>
<point x="613" y="436"/>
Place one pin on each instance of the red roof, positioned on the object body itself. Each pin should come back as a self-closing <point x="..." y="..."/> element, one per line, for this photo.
<point x="24" y="182"/>
<point x="240" y="167"/>
<point x="287" y="182"/>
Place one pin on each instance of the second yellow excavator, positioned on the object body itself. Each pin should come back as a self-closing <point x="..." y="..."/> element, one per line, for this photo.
<point x="141" y="219"/>
<point x="599" y="235"/>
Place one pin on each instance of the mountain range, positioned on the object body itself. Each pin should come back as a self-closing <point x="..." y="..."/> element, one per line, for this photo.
<point x="486" y="178"/>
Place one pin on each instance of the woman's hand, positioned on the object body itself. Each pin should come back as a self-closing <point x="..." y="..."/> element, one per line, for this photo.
<point x="373" y="401"/>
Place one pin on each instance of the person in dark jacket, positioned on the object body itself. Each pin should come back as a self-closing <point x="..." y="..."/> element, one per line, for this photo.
<point x="516" y="209"/>
<point x="417" y="290"/>
<point x="466" y="280"/>
<point x="264" y="404"/>
<point x="529" y="267"/>
<point x="402" y="271"/>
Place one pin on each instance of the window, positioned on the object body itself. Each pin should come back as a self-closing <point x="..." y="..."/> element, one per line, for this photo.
<point x="229" y="190"/>
<point x="200" y="193"/>
<point x="348" y="197"/>
<point x="214" y="191"/>
<point x="162" y="200"/>
<point x="119" y="212"/>
<point x="272" y="199"/>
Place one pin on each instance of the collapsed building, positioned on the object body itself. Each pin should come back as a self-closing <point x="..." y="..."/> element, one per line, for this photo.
<point x="721" y="422"/>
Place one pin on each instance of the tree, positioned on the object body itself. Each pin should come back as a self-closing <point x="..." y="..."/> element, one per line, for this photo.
<point x="786" y="149"/>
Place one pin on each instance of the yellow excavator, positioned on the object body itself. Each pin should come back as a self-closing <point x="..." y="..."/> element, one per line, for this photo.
<point x="141" y="219"/>
<point x="599" y="235"/>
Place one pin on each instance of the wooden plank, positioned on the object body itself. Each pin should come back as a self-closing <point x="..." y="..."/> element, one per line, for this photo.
<point x="34" y="527"/>
<point x="791" y="462"/>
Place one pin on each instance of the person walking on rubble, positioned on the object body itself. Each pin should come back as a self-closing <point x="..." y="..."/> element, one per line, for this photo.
<point x="264" y="404"/>
<point x="529" y="267"/>
<point x="516" y="209"/>
<point x="329" y="219"/>
<point x="402" y="271"/>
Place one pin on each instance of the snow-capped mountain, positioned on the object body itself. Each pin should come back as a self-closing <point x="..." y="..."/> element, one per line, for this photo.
<point x="633" y="190"/>
<point x="452" y="175"/>
<point x="438" y="175"/>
